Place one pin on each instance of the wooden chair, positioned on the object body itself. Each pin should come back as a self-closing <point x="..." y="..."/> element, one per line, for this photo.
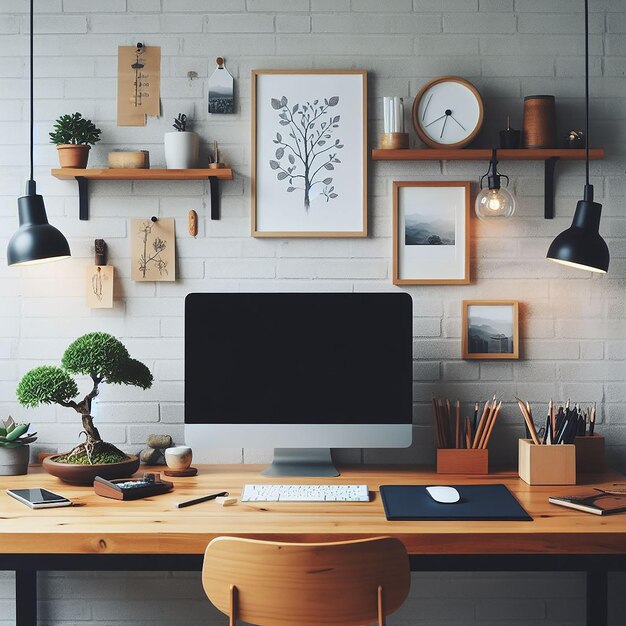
<point x="298" y="584"/>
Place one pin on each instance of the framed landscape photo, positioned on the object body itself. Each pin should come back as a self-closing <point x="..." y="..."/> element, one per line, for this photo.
<point x="431" y="233"/>
<point x="309" y="153"/>
<point x="490" y="329"/>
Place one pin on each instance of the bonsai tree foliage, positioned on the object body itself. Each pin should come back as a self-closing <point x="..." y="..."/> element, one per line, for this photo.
<point x="104" y="359"/>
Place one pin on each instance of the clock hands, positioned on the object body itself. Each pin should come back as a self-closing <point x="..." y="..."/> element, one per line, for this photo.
<point x="447" y="114"/>
<point x="426" y="108"/>
<point x="439" y="118"/>
<point x="444" y="124"/>
<point x="457" y="121"/>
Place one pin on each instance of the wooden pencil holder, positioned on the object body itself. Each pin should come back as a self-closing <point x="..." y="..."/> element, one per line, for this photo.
<point x="589" y="454"/>
<point x="394" y="141"/>
<point x="462" y="461"/>
<point x="547" y="465"/>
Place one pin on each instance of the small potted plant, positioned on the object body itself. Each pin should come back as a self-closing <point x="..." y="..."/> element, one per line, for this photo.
<point x="73" y="136"/>
<point x="105" y="360"/>
<point x="182" y="148"/>
<point x="14" y="448"/>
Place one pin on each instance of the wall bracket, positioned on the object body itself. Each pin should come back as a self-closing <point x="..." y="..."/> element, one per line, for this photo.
<point x="548" y="187"/>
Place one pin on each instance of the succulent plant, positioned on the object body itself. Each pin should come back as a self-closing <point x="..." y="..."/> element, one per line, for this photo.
<point x="74" y="129"/>
<point x="180" y="123"/>
<point x="14" y="435"/>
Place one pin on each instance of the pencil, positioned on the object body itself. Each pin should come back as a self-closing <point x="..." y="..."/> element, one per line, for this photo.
<point x="458" y="425"/>
<point x="468" y="433"/>
<point x="487" y="437"/>
<point x="481" y="426"/>
<point x="525" y="409"/>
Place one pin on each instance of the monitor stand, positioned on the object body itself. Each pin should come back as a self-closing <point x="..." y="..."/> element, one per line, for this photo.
<point x="310" y="462"/>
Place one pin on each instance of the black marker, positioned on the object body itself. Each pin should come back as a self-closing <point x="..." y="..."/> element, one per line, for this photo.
<point x="182" y="505"/>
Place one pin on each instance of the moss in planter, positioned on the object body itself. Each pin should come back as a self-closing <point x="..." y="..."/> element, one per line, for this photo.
<point x="106" y="453"/>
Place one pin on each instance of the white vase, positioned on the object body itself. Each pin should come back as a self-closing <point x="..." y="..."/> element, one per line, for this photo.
<point x="14" y="461"/>
<point x="181" y="150"/>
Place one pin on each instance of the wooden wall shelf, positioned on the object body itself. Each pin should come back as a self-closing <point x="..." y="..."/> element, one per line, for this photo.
<point x="550" y="157"/>
<point x="82" y="176"/>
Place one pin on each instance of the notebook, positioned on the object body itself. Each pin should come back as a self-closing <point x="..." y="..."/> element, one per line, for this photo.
<point x="478" y="502"/>
<point x="597" y="503"/>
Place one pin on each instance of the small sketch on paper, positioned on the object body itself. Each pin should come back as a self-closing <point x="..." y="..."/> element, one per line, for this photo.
<point x="153" y="250"/>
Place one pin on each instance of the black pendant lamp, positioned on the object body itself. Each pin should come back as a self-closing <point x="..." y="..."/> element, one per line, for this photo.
<point x="581" y="245"/>
<point x="35" y="241"/>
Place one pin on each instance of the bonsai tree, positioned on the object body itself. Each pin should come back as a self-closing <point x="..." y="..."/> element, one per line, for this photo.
<point x="105" y="360"/>
<point x="74" y="129"/>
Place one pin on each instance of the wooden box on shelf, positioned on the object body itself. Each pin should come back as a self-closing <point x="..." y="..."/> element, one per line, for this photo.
<point x="590" y="454"/>
<point x="547" y="465"/>
<point x="462" y="461"/>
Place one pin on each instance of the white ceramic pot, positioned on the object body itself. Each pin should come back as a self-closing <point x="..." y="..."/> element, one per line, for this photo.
<point x="178" y="458"/>
<point x="14" y="461"/>
<point x="181" y="150"/>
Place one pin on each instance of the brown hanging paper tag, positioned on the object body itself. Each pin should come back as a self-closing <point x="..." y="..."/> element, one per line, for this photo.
<point x="138" y="84"/>
<point x="99" y="286"/>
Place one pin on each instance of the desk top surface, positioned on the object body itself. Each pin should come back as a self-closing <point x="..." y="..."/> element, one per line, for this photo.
<point x="155" y="526"/>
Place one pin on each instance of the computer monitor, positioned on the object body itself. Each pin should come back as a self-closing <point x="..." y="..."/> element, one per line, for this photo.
<point x="300" y="373"/>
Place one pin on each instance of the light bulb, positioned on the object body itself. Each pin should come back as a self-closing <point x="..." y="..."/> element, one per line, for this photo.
<point x="494" y="203"/>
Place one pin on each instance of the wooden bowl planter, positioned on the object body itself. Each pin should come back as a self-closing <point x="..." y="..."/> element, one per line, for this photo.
<point x="73" y="155"/>
<point x="80" y="474"/>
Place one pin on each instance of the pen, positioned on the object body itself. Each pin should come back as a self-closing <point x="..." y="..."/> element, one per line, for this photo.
<point x="182" y="505"/>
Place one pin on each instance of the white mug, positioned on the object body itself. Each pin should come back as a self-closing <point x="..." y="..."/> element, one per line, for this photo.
<point x="178" y="457"/>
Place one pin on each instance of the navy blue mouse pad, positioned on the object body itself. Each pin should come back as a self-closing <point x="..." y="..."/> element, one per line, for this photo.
<point x="478" y="503"/>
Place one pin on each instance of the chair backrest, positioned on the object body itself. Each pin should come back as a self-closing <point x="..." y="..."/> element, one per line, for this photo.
<point x="283" y="584"/>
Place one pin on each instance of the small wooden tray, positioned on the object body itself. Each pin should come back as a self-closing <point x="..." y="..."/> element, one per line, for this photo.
<point x="190" y="471"/>
<point x="132" y="488"/>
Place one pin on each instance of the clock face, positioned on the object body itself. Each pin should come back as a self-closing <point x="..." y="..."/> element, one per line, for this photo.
<point x="448" y="113"/>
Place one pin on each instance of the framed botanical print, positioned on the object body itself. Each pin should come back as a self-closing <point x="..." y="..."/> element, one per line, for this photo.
<point x="431" y="235"/>
<point x="309" y="153"/>
<point x="490" y="329"/>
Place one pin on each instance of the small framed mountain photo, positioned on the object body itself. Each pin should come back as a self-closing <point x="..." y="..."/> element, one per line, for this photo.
<point x="309" y="153"/>
<point x="431" y="233"/>
<point x="490" y="329"/>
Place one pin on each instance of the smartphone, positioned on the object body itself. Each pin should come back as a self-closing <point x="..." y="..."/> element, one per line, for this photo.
<point x="39" y="498"/>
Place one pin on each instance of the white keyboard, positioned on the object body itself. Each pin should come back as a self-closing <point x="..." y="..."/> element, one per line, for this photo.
<point x="305" y="493"/>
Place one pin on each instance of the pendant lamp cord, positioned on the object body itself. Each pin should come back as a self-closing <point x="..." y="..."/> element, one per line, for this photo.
<point x="31" y="92"/>
<point x="587" y="92"/>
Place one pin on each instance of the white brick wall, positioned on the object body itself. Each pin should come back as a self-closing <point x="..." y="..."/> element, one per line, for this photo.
<point x="573" y="327"/>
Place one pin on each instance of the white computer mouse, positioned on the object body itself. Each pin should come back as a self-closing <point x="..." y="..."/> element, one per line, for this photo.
<point x="445" y="495"/>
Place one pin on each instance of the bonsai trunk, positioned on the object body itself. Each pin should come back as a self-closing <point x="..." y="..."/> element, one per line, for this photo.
<point x="94" y="444"/>
<point x="93" y="436"/>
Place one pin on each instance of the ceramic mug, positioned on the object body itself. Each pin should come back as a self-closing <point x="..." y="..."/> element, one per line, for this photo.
<point x="178" y="457"/>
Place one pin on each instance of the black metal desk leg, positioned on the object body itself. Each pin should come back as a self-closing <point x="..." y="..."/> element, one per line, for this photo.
<point x="597" y="600"/>
<point x="26" y="597"/>
<point x="215" y="198"/>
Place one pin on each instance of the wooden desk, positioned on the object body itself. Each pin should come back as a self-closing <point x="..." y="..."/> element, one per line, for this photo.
<point x="152" y="534"/>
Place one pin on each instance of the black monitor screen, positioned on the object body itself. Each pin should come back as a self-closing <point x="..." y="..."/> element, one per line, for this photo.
<point x="315" y="358"/>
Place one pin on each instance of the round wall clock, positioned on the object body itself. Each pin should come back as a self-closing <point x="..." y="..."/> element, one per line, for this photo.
<point x="448" y="112"/>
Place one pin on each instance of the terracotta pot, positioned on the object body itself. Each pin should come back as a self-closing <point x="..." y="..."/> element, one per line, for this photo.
<point x="73" y="155"/>
<point x="79" y="474"/>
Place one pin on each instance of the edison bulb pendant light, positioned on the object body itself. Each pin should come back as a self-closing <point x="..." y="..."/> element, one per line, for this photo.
<point x="495" y="202"/>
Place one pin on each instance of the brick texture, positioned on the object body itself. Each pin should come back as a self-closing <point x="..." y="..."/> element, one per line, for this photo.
<point x="573" y="327"/>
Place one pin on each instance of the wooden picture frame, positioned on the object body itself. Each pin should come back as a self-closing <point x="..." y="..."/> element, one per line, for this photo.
<point x="280" y="207"/>
<point x="471" y="346"/>
<point x="438" y="266"/>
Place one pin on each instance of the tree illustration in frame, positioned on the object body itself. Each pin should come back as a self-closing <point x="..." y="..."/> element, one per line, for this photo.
<point x="309" y="151"/>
